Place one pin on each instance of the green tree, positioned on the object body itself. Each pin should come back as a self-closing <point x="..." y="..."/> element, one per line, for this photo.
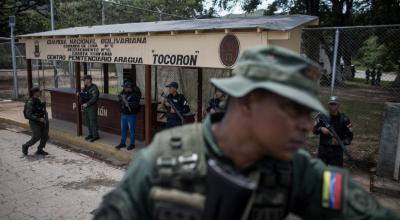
<point x="372" y="53"/>
<point x="31" y="16"/>
<point x="332" y="12"/>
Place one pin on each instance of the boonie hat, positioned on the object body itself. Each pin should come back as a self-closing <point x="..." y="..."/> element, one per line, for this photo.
<point x="278" y="70"/>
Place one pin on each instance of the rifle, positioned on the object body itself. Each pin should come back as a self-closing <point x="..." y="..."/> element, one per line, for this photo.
<point x="173" y="107"/>
<point x="126" y="102"/>
<point x="227" y="194"/>
<point x="323" y="118"/>
<point x="46" y="115"/>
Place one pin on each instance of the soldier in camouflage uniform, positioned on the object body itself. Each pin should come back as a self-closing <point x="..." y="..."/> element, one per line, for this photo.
<point x="35" y="112"/>
<point x="89" y="97"/>
<point x="256" y="143"/>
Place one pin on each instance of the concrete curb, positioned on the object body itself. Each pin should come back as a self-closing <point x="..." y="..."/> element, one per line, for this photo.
<point x="69" y="139"/>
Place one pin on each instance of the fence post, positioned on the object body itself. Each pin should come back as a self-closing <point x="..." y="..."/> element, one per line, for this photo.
<point x="335" y="52"/>
<point x="14" y="62"/>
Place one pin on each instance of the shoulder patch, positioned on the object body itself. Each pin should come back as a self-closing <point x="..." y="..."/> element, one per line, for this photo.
<point x="332" y="189"/>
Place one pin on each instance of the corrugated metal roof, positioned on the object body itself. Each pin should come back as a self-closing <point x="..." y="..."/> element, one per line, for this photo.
<point x="277" y="22"/>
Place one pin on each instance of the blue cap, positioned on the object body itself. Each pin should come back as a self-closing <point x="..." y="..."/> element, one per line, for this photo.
<point x="128" y="84"/>
<point x="173" y="84"/>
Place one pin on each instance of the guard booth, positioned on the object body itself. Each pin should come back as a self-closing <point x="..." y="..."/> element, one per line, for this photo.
<point x="195" y="44"/>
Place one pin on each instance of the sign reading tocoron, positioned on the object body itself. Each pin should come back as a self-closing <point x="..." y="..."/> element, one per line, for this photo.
<point x="213" y="50"/>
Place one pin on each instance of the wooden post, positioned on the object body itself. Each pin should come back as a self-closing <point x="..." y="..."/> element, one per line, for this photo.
<point x="78" y="104"/>
<point x="29" y="75"/>
<point x="84" y="69"/>
<point x="133" y="73"/>
<point x="105" y="74"/>
<point x="147" y="104"/>
<point x="199" y="94"/>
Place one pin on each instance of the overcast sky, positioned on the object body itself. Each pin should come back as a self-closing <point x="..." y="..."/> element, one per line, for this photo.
<point x="237" y="9"/>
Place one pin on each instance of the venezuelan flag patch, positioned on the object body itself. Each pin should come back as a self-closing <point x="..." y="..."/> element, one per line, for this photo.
<point x="332" y="190"/>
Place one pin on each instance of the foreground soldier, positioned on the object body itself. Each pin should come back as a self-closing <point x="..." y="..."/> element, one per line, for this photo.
<point x="35" y="112"/>
<point x="89" y="97"/>
<point x="188" y="172"/>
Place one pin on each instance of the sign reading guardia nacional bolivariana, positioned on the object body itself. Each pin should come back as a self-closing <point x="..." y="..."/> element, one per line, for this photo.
<point x="191" y="50"/>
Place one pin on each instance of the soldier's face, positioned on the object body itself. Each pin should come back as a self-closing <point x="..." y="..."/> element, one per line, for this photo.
<point x="279" y="126"/>
<point x="333" y="108"/>
<point x="171" y="90"/>
<point x="87" y="82"/>
<point x="37" y="94"/>
<point x="128" y="89"/>
<point x="219" y="94"/>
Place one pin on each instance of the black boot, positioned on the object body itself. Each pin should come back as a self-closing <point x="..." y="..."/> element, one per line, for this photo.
<point x="88" y="137"/>
<point x="41" y="152"/>
<point x="119" y="146"/>
<point x="94" y="139"/>
<point x="131" y="147"/>
<point x="25" y="149"/>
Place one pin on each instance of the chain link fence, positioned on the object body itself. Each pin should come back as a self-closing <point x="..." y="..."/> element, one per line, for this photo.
<point x="366" y="74"/>
<point x="6" y="68"/>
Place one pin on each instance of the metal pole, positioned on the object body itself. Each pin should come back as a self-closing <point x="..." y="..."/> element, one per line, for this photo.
<point x="14" y="64"/>
<point x="52" y="28"/>
<point x="335" y="51"/>
<point x="396" y="173"/>
<point x="103" y="13"/>
<point x="78" y="104"/>
<point x="147" y="105"/>
<point x="52" y="14"/>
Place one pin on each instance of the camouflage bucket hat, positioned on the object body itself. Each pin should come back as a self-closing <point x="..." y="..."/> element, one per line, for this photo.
<point x="277" y="70"/>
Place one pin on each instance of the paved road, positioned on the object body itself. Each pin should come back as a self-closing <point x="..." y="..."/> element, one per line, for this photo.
<point x="63" y="185"/>
<point x="385" y="76"/>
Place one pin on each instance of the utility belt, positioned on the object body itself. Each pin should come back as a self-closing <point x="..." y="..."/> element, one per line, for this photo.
<point x="330" y="146"/>
<point x="39" y="115"/>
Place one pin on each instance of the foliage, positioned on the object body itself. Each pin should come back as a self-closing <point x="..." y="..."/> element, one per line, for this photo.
<point x="31" y="16"/>
<point x="372" y="53"/>
<point x="330" y="12"/>
<point x="34" y="16"/>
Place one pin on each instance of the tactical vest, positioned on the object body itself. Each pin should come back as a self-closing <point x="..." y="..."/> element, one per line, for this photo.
<point x="85" y="95"/>
<point x="38" y="108"/>
<point x="179" y="188"/>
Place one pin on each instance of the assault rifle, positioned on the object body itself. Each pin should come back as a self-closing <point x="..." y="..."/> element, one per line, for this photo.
<point x="171" y="103"/>
<point x="324" y="120"/>
<point x="46" y="115"/>
<point x="227" y="194"/>
<point x="123" y="98"/>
